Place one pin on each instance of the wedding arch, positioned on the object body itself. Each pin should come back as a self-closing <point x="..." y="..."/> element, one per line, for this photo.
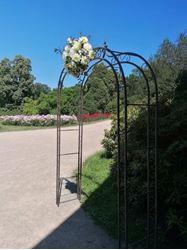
<point x="116" y="61"/>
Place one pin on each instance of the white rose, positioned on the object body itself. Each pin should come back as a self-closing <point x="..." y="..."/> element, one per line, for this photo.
<point x="87" y="46"/>
<point x="69" y="40"/>
<point x="66" y="48"/>
<point x="84" y="60"/>
<point x="76" y="57"/>
<point x="76" y="45"/>
<point x="72" y="52"/>
<point x="65" y="54"/>
<point x="91" y="54"/>
<point x="83" y="39"/>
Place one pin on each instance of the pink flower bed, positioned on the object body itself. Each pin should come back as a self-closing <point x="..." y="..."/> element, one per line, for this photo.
<point x="36" y="120"/>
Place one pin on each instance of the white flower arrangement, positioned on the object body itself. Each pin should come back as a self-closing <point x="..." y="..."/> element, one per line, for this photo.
<point x="77" y="54"/>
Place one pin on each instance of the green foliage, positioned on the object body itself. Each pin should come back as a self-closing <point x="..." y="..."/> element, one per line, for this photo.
<point x="172" y="164"/>
<point x="39" y="89"/>
<point x="6" y="111"/>
<point x="47" y="103"/>
<point x="100" y="91"/>
<point x="16" y="81"/>
<point x="109" y="141"/>
<point x="30" y="106"/>
<point x="99" y="196"/>
<point x="70" y="100"/>
<point x="99" y="96"/>
<point x="17" y="85"/>
<point x="172" y="83"/>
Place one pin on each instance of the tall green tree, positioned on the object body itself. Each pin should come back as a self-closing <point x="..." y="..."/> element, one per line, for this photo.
<point x="16" y="81"/>
<point x="22" y="79"/>
<point x="100" y="90"/>
<point x="6" y="87"/>
<point x="40" y="88"/>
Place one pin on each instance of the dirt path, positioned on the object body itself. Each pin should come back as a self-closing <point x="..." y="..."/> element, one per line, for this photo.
<point x="29" y="217"/>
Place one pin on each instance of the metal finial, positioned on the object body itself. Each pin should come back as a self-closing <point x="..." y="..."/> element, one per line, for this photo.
<point x="105" y="44"/>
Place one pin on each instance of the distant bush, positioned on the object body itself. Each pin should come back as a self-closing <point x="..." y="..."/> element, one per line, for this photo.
<point x="6" y="111"/>
<point x="36" y="120"/>
<point x="94" y="117"/>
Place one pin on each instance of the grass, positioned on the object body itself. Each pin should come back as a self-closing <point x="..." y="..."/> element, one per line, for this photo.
<point x="8" y="128"/>
<point x="99" y="197"/>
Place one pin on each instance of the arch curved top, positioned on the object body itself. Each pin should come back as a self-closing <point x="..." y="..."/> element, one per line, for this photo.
<point x="115" y="60"/>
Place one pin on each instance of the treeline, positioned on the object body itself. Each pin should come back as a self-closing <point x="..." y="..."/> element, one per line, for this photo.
<point x="20" y="94"/>
<point x="99" y="95"/>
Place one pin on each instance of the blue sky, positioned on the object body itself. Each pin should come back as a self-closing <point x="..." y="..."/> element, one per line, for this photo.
<point x="34" y="28"/>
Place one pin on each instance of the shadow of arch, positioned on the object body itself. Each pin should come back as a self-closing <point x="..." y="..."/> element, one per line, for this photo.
<point x="77" y="231"/>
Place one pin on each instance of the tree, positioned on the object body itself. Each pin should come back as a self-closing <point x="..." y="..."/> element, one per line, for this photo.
<point x="16" y="81"/>
<point x="100" y="90"/>
<point x="6" y="87"/>
<point x="170" y="59"/>
<point x="22" y="79"/>
<point x="40" y="88"/>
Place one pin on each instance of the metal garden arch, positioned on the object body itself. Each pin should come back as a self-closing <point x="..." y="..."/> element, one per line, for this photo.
<point x="116" y="61"/>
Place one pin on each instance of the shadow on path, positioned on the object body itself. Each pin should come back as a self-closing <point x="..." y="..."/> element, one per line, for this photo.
<point x="78" y="231"/>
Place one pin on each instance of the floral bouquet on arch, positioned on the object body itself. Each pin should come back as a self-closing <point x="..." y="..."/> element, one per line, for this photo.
<point x="77" y="54"/>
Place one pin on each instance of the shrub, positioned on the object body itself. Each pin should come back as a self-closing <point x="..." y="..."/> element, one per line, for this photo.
<point x="110" y="138"/>
<point x="94" y="117"/>
<point x="172" y="172"/>
<point x="36" y="120"/>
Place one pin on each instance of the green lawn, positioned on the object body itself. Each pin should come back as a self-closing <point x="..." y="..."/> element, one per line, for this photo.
<point x="99" y="192"/>
<point x="8" y="128"/>
<point x="99" y="199"/>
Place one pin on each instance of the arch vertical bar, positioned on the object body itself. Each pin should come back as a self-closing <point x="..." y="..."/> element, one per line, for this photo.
<point x="125" y="162"/>
<point x="80" y="144"/>
<point x="119" y="194"/>
<point x="78" y="172"/>
<point x="58" y="147"/>
<point x="123" y="166"/>
<point x="147" y="146"/>
<point x="59" y="91"/>
<point x="79" y="135"/>
<point x="119" y="167"/>
<point x="148" y="167"/>
<point x="147" y="151"/>
<point x="155" y="236"/>
<point x="156" y="170"/>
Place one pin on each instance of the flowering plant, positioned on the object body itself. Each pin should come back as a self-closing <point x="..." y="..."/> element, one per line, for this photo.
<point x="77" y="54"/>
<point x="94" y="117"/>
<point x="36" y="120"/>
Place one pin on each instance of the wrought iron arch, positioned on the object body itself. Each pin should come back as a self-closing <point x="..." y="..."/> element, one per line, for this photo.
<point x="115" y="61"/>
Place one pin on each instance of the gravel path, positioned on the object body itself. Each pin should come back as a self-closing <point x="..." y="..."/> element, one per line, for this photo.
<point x="29" y="217"/>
